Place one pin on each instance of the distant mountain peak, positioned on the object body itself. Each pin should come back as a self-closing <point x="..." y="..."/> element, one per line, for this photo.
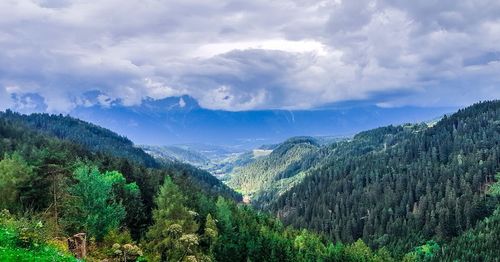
<point x="183" y="102"/>
<point x="302" y="139"/>
<point x="100" y="99"/>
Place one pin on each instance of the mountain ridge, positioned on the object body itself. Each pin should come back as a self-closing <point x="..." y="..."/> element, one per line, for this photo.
<point x="163" y="122"/>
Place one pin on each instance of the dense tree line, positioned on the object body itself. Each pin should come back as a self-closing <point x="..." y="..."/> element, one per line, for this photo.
<point x="76" y="139"/>
<point x="90" y="136"/>
<point x="481" y="242"/>
<point x="199" y="230"/>
<point x="399" y="186"/>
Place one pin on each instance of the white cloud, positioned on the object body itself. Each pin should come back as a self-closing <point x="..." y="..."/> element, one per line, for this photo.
<point x="5" y="99"/>
<point x="304" y="46"/>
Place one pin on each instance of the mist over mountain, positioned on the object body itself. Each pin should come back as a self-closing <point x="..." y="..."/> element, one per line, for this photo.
<point x="181" y="120"/>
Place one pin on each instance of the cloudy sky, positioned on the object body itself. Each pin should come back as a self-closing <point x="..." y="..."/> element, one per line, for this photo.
<point x="242" y="55"/>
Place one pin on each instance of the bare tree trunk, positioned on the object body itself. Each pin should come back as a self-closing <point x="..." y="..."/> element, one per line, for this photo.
<point x="77" y="244"/>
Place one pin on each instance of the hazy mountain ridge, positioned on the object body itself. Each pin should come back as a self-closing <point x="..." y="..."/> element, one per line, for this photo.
<point x="166" y="122"/>
<point x="175" y="153"/>
<point x="91" y="136"/>
<point x="218" y="160"/>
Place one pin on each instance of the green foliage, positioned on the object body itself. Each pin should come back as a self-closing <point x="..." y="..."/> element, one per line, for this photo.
<point x="53" y="161"/>
<point x="117" y="245"/>
<point x="309" y="247"/>
<point x="30" y="233"/>
<point x="481" y="242"/>
<point x="426" y="252"/>
<point x="358" y="251"/>
<point x="129" y="195"/>
<point x="93" y="137"/>
<point x="127" y="252"/>
<point x="335" y="252"/>
<point x="254" y="236"/>
<point x="173" y="236"/>
<point x="477" y="244"/>
<point x="494" y="189"/>
<point x="268" y="177"/>
<point x="14" y="171"/>
<point x="116" y="236"/>
<point x="92" y="206"/>
<point x="224" y="214"/>
<point x="194" y="177"/>
<point x="210" y="234"/>
<point x="397" y="186"/>
<point x="70" y="139"/>
<point x="23" y="240"/>
<point x="383" y="255"/>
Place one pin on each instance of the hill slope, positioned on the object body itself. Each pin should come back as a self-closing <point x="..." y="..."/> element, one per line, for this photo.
<point x="102" y="141"/>
<point x="270" y="175"/>
<point x="90" y="136"/>
<point x="402" y="185"/>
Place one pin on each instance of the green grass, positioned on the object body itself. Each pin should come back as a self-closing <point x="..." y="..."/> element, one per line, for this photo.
<point x="12" y="250"/>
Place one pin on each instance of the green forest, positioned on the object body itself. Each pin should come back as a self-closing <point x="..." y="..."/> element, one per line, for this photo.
<point x="414" y="192"/>
<point x="393" y="187"/>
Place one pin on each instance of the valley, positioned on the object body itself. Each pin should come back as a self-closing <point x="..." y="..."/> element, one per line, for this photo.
<point x="302" y="168"/>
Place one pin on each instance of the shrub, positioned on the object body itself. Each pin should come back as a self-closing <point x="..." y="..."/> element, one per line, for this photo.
<point x="23" y="240"/>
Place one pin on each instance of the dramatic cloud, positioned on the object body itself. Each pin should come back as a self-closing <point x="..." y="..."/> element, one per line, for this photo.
<point x="240" y="55"/>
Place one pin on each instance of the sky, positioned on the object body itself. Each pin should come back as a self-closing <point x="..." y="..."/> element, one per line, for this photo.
<point x="248" y="55"/>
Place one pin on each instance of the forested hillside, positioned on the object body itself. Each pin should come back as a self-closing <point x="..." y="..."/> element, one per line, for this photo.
<point x="92" y="137"/>
<point x="269" y="176"/>
<point x="481" y="242"/>
<point x="54" y="185"/>
<point x="400" y="186"/>
<point x="101" y="142"/>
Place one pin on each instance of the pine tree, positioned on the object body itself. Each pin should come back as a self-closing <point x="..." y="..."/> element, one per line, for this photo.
<point x="173" y="236"/>
<point x="211" y="233"/>
<point x="13" y="172"/>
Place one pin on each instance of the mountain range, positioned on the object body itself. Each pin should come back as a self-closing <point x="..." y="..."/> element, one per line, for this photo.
<point x="181" y="120"/>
